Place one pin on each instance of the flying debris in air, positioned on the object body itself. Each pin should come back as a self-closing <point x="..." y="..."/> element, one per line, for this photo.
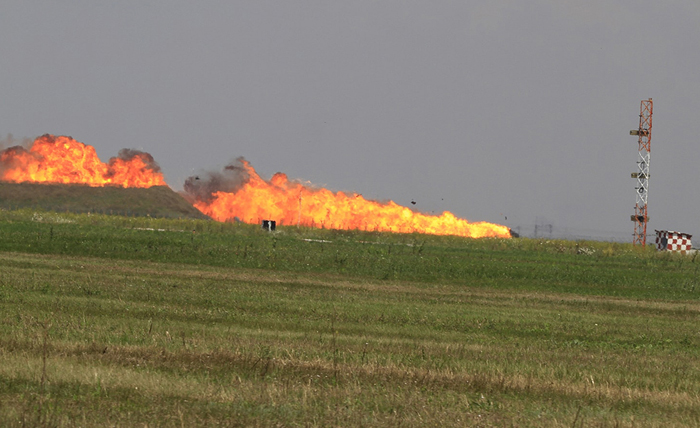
<point x="413" y="202"/>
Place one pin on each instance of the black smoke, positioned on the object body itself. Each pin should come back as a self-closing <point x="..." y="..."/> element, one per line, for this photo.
<point x="201" y="187"/>
<point x="11" y="142"/>
<point x="129" y="154"/>
<point x="15" y="147"/>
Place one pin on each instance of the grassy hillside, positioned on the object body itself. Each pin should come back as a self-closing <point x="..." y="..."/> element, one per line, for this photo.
<point x="115" y="321"/>
<point x="158" y="201"/>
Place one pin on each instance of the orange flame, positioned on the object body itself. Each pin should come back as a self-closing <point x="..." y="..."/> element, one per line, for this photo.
<point x="62" y="159"/>
<point x="291" y="203"/>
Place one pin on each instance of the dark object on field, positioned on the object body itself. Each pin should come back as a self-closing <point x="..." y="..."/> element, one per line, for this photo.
<point x="269" y="225"/>
<point x="513" y="234"/>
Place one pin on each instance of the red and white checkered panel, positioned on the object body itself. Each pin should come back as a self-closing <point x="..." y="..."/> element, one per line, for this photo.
<point x="673" y="241"/>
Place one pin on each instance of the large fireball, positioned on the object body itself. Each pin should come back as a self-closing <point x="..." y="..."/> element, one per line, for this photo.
<point x="62" y="159"/>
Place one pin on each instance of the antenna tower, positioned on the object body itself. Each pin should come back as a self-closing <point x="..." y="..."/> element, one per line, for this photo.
<point x="641" y="215"/>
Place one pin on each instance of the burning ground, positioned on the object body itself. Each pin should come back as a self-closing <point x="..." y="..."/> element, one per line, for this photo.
<point x="238" y="192"/>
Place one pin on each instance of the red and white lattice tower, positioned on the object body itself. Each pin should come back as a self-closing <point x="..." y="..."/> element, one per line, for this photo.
<point x="641" y="215"/>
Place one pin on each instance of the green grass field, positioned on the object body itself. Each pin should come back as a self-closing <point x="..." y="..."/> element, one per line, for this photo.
<point x="117" y="321"/>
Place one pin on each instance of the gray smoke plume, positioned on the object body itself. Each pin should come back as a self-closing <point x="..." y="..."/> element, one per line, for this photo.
<point x="11" y="141"/>
<point x="201" y="187"/>
<point x="14" y="148"/>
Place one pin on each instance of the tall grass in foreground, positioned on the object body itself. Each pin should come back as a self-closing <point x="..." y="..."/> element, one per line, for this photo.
<point x="111" y="322"/>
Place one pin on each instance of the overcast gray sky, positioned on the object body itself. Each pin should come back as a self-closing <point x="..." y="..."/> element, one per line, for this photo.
<point x="487" y="109"/>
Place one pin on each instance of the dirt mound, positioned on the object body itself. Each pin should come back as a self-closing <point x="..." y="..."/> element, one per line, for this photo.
<point x="157" y="201"/>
